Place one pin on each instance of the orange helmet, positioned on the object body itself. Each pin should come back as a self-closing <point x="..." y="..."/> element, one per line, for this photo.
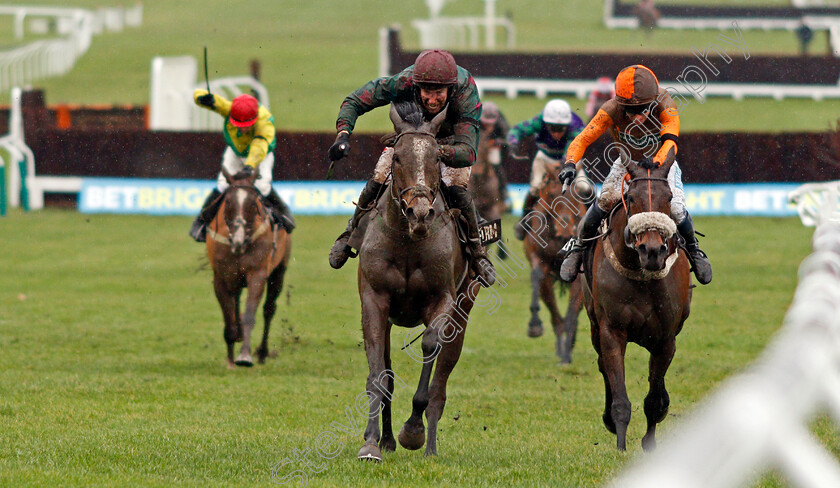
<point x="636" y="85"/>
<point x="435" y="67"/>
<point x="244" y="111"/>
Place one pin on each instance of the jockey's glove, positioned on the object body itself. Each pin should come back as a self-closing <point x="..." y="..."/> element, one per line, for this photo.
<point x="341" y="146"/>
<point x="567" y="174"/>
<point x="647" y="163"/>
<point x="208" y="100"/>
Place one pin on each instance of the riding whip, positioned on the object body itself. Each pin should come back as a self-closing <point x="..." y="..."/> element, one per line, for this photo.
<point x="206" y="78"/>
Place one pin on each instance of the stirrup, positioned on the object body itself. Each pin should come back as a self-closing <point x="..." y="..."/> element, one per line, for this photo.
<point x="569" y="269"/>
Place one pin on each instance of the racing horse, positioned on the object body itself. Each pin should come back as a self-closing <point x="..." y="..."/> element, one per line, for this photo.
<point x="412" y="270"/>
<point x="639" y="291"/>
<point x="484" y="182"/>
<point x="246" y="250"/>
<point x="549" y="227"/>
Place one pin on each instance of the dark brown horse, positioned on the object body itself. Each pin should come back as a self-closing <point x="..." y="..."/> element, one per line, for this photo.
<point x="484" y="185"/>
<point x="551" y="224"/>
<point x="412" y="271"/>
<point x="640" y="292"/>
<point x="245" y="250"/>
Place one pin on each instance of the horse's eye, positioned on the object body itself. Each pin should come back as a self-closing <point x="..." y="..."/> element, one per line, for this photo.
<point x="629" y="199"/>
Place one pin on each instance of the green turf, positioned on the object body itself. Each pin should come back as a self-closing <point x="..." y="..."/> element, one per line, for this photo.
<point x="314" y="53"/>
<point x="113" y="367"/>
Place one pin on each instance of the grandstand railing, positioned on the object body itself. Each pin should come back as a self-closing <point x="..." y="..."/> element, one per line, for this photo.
<point x="52" y="57"/>
<point x="759" y="419"/>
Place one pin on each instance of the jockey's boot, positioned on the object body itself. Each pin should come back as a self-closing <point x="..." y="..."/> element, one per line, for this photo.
<point x="280" y="212"/>
<point x="588" y="229"/>
<point x="518" y="228"/>
<point x="340" y="251"/>
<point x="211" y="205"/>
<point x="503" y="193"/>
<point x="459" y="197"/>
<point x="699" y="261"/>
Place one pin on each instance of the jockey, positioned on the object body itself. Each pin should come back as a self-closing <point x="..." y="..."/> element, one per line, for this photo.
<point x="553" y="131"/>
<point x="495" y="127"/>
<point x="643" y="121"/>
<point x="249" y="133"/>
<point x="602" y="92"/>
<point x="436" y="83"/>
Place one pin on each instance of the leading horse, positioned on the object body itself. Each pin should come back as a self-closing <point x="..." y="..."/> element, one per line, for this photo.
<point x="412" y="270"/>
<point x="640" y="291"/>
<point x="245" y="250"/>
<point x="549" y="227"/>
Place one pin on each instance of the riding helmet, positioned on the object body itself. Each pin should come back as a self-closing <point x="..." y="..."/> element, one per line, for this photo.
<point x="435" y="67"/>
<point x="244" y="111"/>
<point x="557" y="112"/>
<point x="636" y="85"/>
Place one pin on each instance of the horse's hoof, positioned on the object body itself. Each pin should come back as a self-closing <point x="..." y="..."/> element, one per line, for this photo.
<point x="370" y="452"/>
<point x="231" y="365"/>
<point x="535" y="330"/>
<point x="388" y="445"/>
<point x="412" y="440"/>
<point x="244" y="360"/>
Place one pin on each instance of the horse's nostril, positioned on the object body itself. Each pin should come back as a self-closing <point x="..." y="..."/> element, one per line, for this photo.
<point x="663" y="249"/>
<point x="643" y="248"/>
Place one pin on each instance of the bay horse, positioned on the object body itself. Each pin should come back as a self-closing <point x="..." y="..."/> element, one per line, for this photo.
<point x="412" y="270"/>
<point x="551" y="224"/>
<point x="640" y="291"/>
<point x="246" y="250"/>
<point x="484" y="184"/>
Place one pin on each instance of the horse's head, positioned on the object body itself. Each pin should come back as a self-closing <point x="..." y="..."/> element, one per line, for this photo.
<point x="649" y="225"/>
<point x="567" y="208"/>
<point x="243" y="210"/>
<point x="415" y="166"/>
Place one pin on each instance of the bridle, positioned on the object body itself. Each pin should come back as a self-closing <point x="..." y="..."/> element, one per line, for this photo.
<point x="240" y="222"/>
<point x="420" y="191"/>
<point x="630" y="180"/>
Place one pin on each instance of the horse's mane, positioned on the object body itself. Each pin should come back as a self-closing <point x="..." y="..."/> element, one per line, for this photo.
<point x="410" y="112"/>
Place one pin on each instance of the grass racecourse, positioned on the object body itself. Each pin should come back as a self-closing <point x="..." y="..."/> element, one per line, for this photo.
<point x="113" y="369"/>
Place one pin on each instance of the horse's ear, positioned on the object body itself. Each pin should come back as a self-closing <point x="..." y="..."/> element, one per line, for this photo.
<point x="399" y="124"/>
<point x="438" y="119"/>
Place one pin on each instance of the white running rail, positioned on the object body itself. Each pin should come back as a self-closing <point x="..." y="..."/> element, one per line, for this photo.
<point x="759" y="419"/>
<point x="52" y="57"/>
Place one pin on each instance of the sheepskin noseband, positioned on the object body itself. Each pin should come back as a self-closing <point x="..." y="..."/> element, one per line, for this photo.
<point x="658" y="221"/>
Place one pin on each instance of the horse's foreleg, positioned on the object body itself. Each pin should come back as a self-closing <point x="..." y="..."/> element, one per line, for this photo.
<point x="570" y="322"/>
<point x="273" y="289"/>
<point x="412" y="435"/>
<point x="549" y="297"/>
<point x="388" y="442"/>
<point x="657" y="400"/>
<point x="611" y="362"/>
<point x="452" y="341"/>
<point x="375" y="328"/>
<point x="535" y="327"/>
<point x="256" y="287"/>
<point x="227" y="303"/>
